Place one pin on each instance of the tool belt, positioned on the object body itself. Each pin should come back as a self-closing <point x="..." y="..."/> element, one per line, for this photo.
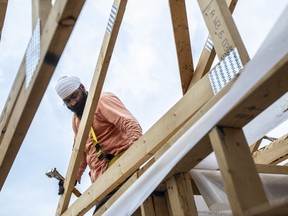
<point x="101" y="155"/>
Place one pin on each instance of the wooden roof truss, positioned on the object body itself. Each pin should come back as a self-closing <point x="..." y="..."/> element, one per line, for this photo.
<point x="235" y="162"/>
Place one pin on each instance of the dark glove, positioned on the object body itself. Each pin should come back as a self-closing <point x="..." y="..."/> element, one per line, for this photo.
<point x="61" y="187"/>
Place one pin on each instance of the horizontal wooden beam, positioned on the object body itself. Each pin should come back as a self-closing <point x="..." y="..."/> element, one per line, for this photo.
<point x="58" y="28"/>
<point x="272" y="169"/>
<point x="273" y="153"/>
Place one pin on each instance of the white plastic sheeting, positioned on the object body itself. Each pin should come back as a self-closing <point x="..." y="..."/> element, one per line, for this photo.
<point x="210" y="185"/>
<point x="254" y="71"/>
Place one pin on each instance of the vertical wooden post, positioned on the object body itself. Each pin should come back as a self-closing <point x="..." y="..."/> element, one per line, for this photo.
<point x="182" y="41"/>
<point x="147" y="208"/>
<point x="241" y="180"/>
<point x="180" y="195"/>
<point x="160" y="204"/>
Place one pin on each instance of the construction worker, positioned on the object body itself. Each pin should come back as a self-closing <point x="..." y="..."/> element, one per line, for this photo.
<point x="114" y="128"/>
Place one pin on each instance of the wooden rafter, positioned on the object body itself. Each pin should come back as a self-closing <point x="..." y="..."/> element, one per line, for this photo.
<point x="273" y="153"/>
<point x="238" y="170"/>
<point x="182" y="41"/>
<point x="23" y="102"/>
<point x="260" y="96"/>
<point x="180" y="194"/>
<point x="272" y="169"/>
<point x="222" y="29"/>
<point x="208" y="53"/>
<point x="92" y="100"/>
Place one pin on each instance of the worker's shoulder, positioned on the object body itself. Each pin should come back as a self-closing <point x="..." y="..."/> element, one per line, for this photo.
<point x="107" y="96"/>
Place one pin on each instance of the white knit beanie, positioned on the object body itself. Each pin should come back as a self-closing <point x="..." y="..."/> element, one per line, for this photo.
<point x="67" y="85"/>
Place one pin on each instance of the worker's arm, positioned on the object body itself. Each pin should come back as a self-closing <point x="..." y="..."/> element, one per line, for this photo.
<point x="115" y="112"/>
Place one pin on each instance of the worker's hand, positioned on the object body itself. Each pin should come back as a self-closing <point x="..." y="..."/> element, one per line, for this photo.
<point x="61" y="187"/>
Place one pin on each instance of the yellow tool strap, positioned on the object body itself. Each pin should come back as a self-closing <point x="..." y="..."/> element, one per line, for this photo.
<point x="115" y="158"/>
<point x="96" y="143"/>
<point x="98" y="149"/>
<point x="93" y="135"/>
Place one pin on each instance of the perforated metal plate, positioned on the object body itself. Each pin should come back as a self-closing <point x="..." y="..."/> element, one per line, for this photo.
<point x="225" y="70"/>
<point x="209" y="44"/>
<point x="111" y="18"/>
<point x="33" y="54"/>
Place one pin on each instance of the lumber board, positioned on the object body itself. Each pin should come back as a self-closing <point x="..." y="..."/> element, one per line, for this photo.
<point x="273" y="153"/>
<point x="58" y="28"/>
<point x="237" y="169"/>
<point x="263" y="94"/>
<point x="11" y="100"/>
<point x="198" y="152"/>
<point x="208" y="53"/>
<point x="147" y="208"/>
<point x="92" y="100"/>
<point x="222" y="29"/>
<point x="3" y="9"/>
<point x="174" y="197"/>
<point x="272" y="169"/>
<point x="41" y="10"/>
<point x="271" y="88"/>
<point x="160" y="205"/>
<point x="254" y="147"/>
<point x="180" y="195"/>
<point x="182" y="41"/>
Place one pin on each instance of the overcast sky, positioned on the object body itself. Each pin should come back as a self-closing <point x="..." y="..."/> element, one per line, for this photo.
<point x="143" y="72"/>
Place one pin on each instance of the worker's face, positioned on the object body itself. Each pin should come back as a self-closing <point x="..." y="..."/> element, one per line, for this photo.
<point x="76" y="101"/>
